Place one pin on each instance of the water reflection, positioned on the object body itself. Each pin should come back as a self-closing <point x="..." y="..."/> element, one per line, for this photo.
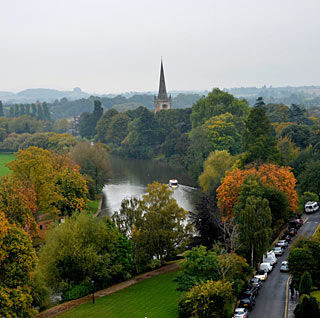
<point x="130" y="177"/>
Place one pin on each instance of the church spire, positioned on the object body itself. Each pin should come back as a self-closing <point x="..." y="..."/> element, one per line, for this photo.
<point x="162" y="95"/>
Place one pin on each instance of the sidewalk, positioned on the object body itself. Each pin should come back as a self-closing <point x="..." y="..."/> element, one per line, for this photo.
<point x="54" y="311"/>
<point x="292" y="303"/>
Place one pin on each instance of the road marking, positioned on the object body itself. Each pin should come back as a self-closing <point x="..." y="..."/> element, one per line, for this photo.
<point x="287" y="298"/>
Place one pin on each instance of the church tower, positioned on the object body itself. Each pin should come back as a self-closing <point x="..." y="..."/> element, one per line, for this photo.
<point x="162" y="101"/>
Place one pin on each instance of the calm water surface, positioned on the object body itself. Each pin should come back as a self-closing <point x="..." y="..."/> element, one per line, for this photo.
<point x="130" y="177"/>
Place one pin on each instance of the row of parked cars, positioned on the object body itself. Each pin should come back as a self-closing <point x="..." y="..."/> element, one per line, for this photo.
<point x="248" y="298"/>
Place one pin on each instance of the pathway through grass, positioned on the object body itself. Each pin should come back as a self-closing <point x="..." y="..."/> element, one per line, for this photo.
<point x="155" y="297"/>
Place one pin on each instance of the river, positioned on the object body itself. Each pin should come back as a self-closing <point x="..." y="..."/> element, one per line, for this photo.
<point x="130" y="177"/>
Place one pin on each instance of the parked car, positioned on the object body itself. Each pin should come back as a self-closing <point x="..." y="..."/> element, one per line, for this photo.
<point x="278" y="251"/>
<point x="255" y="282"/>
<point x="284" y="267"/>
<point x="287" y="238"/>
<point x="267" y="267"/>
<point x="311" y="207"/>
<point x="295" y="223"/>
<point x="270" y="257"/>
<point x="241" y="313"/>
<point x="251" y="291"/>
<point x="292" y="231"/>
<point x="299" y="222"/>
<point x="247" y="302"/>
<point x="261" y="274"/>
<point x="283" y="243"/>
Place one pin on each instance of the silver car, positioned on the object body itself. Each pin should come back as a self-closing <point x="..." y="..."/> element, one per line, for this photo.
<point x="240" y="313"/>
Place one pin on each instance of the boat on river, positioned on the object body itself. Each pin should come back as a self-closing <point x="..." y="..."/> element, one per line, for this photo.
<point x="173" y="183"/>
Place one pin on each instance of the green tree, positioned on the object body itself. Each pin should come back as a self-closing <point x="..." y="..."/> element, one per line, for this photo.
<point x="259" y="142"/>
<point x="93" y="161"/>
<point x="199" y="265"/>
<point x="17" y="261"/>
<point x="103" y="124"/>
<point x="216" y="103"/>
<point x="157" y="225"/>
<point x="305" y="284"/>
<point x="208" y="299"/>
<point x="117" y="130"/>
<point x="307" y="307"/>
<point x="305" y="257"/>
<point x="88" y="121"/>
<point x="309" y="180"/>
<point x="144" y="135"/>
<point x="82" y="249"/>
<point x="224" y="132"/>
<point x="253" y="216"/>
<point x="299" y="134"/>
<point x="1" y="109"/>
<point x="198" y="151"/>
<point x="215" y="167"/>
<point x="61" y="125"/>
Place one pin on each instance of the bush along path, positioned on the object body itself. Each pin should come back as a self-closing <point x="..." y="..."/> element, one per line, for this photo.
<point x="54" y="311"/>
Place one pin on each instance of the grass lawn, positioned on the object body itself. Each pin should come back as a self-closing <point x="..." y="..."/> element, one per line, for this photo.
<point x="316" y="294"/>
<point x="93" y="206"/>
<point x="155" y="297"/>
<point x="4" y="158"/>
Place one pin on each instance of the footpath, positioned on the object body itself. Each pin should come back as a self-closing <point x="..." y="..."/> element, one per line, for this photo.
<point x="54" y="311"/>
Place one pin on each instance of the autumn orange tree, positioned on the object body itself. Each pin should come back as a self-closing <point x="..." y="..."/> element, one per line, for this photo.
<point x="270" y="174"/>
<point x="50" y="175"/>
<point x="18" y="202"/>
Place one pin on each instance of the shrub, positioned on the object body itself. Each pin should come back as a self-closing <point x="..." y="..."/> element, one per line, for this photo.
<point x="77" y="291"/>
<point x="206" y="300"/>
<point x="308" y="307"/>
<point x="305" y="283"/>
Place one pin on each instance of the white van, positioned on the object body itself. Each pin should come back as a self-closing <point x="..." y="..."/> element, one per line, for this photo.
<point x="270" y="257"/>
<point x="311" y="207"/>
<point x="267" y="267"/>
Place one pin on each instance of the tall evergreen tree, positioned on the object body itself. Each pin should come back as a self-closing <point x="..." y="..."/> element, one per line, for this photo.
<point x="40" y="114"/>
<point x="11" y="112"/>
<point x="259" y="140"/>
<point x="1" y="109"/>
<point x="16" y="111"/>
<point x="46" y="113"/>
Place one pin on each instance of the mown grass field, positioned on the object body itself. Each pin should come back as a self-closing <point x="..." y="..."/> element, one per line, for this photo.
<point x="5" y="158"/>
<point x="155" y="297"/>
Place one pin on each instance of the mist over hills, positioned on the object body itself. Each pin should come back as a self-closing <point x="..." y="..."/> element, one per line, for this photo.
<point x="32" y="95"/>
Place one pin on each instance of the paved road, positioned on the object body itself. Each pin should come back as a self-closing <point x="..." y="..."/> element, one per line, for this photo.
<point x="270" y="302"/>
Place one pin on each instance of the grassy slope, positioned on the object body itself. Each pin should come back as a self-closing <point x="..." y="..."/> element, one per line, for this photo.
<point x="93" y="206"/>
<point x="316" y="294"/>
<point x="153" y="298"/>
<point x="4" y="158"/>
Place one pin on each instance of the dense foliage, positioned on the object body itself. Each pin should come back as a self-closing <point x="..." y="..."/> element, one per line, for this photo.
<point x="17" y="261"/>
<point x="82" y="249"/>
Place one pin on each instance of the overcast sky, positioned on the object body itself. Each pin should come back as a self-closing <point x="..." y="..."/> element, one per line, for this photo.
<point x="106" y="46"/>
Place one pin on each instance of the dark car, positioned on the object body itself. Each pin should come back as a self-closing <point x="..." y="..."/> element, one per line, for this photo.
<point x="287" y="238"/>
<point x="292" y="231"/>
<point x="247" y="302"/>
<point x="255" y="282"/>
<point x="251" y="291"/>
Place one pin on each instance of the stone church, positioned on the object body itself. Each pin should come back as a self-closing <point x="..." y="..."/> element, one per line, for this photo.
<point x="162" y="101"/>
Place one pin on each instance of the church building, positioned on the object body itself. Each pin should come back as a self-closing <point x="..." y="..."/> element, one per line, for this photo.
<point x="162" y="101"/>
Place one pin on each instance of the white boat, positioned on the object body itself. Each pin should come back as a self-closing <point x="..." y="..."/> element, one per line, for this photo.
<point x="173" y="183"/>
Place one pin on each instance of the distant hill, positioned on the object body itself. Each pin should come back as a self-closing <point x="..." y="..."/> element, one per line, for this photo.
<point x="41" y="94"/>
